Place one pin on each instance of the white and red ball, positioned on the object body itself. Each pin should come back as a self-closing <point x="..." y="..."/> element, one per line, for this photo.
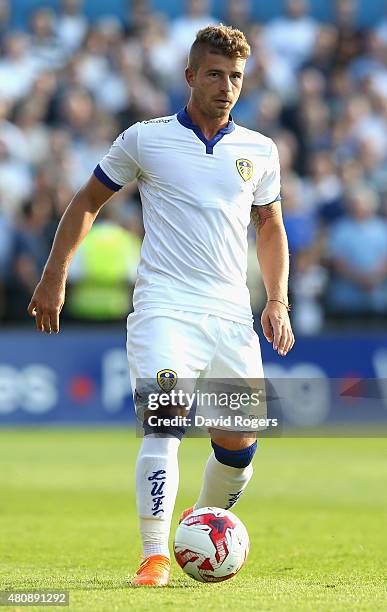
<point x="211" y="544"/>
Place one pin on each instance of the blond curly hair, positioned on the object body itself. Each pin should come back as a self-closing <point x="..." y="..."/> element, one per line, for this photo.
<point x="221" y="40"/>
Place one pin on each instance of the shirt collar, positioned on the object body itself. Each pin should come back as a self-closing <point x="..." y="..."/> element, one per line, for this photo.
<point x="185" y="120"/>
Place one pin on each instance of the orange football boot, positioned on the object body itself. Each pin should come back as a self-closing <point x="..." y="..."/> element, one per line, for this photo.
<point x="185" y="513"/>
<point x="153" y="571"/>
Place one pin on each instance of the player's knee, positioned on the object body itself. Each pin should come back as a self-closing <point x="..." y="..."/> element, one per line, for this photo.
<point x="239" y="458"/>
<point x="168" y="421"/>
<point x="232" y="440"/>
<point x="159" y="417"/>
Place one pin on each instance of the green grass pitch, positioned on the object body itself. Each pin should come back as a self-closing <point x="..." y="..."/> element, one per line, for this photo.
<point x="316" y="513"/>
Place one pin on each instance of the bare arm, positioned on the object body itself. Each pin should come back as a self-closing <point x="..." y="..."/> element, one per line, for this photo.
<point x="48" y="298"/>
<point x="273" y="257"/>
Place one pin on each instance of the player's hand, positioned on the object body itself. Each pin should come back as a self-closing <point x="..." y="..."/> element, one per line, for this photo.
<point x="47" y="303"/>
<point x="277" y="328"/>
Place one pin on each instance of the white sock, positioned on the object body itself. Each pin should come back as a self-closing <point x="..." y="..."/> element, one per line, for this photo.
<point x="157" y="480"/>
<point x="223" y="485"/>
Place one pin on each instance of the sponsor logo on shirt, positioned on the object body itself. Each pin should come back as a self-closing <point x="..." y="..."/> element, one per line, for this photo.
<point x="158" y="121"/>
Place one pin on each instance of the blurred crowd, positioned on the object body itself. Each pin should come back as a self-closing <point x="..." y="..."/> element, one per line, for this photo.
<point x="69" y="85"/>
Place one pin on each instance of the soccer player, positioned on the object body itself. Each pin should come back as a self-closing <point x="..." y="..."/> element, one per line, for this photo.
<point x="201" y="178"/>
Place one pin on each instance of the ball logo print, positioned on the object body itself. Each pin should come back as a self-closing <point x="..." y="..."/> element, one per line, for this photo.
<point x="217" y="534"/>
<point x="167" y="379"/>
<point x="211" y="545"/>
<point x="245" y="168"/>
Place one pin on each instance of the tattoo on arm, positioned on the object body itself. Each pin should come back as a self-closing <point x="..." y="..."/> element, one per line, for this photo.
<point x="259" y="214"/>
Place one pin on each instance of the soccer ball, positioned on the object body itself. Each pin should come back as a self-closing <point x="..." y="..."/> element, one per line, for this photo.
<point x="211" y="544"/>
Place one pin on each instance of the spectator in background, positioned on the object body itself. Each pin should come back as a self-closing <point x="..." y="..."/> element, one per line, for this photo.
<point x="29" y="118"/>
<point x="103" y="271"/>
<point x="322" y="57"/>
<point x="33" y="236"/>
<point x="309" y="116"/>
<point x="18" y="69"/>
<point x="92" y="61"/>
<point x="10" y="135"/>
<point x="364" y="124"/>
<point x="139" y="13"/>
<point x="86" y="152"/>
<point x="238" y="15"/>
<point x="350" y="38"/>
<point x="300" y="222"/>
<point x="357" y="248"/>
<point x="78" y="112"/>
<point x="287" y="149"/>
<point x="307" y="287"/>
<point x="183" y="32"/>
<point x="44" y="92"/>
<point x="162" y="62"/>
<point x="59" y="166"/>
<point x="71" y="25"/>
<point x="15" y="181"/>
<point x="293" y="35"/>
<point x="46" y="49"/>
<point x="113" y="98"/>
<point x="144" y="99"/>
<point x="370" y="63"/>
<point x="373" y="164"/>
<point x="323" y="187"/>
<point x="270" y="69"/>
<point x="62" y="195"/>
<point x="267" y="120"/>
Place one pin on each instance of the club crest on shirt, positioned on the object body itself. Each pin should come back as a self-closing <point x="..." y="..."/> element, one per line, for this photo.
<point x="245" y="168"/>
<point x="167" y="379"/>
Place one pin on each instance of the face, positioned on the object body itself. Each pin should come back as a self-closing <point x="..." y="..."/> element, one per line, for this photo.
<point x="360" y="208"/>
<point x="197" y="7"/>
<point x="296" y="8"/>
<point x="216" y="84"/>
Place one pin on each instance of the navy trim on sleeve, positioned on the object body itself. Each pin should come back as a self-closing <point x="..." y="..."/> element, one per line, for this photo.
<point x="277" y="199"/>
<point x="101" y="176"/>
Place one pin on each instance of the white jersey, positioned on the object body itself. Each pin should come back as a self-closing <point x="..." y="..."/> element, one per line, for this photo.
<point x="196" y="196"/>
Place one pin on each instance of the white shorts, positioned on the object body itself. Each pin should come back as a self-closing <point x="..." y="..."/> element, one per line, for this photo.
<point x="193" y="345"/>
